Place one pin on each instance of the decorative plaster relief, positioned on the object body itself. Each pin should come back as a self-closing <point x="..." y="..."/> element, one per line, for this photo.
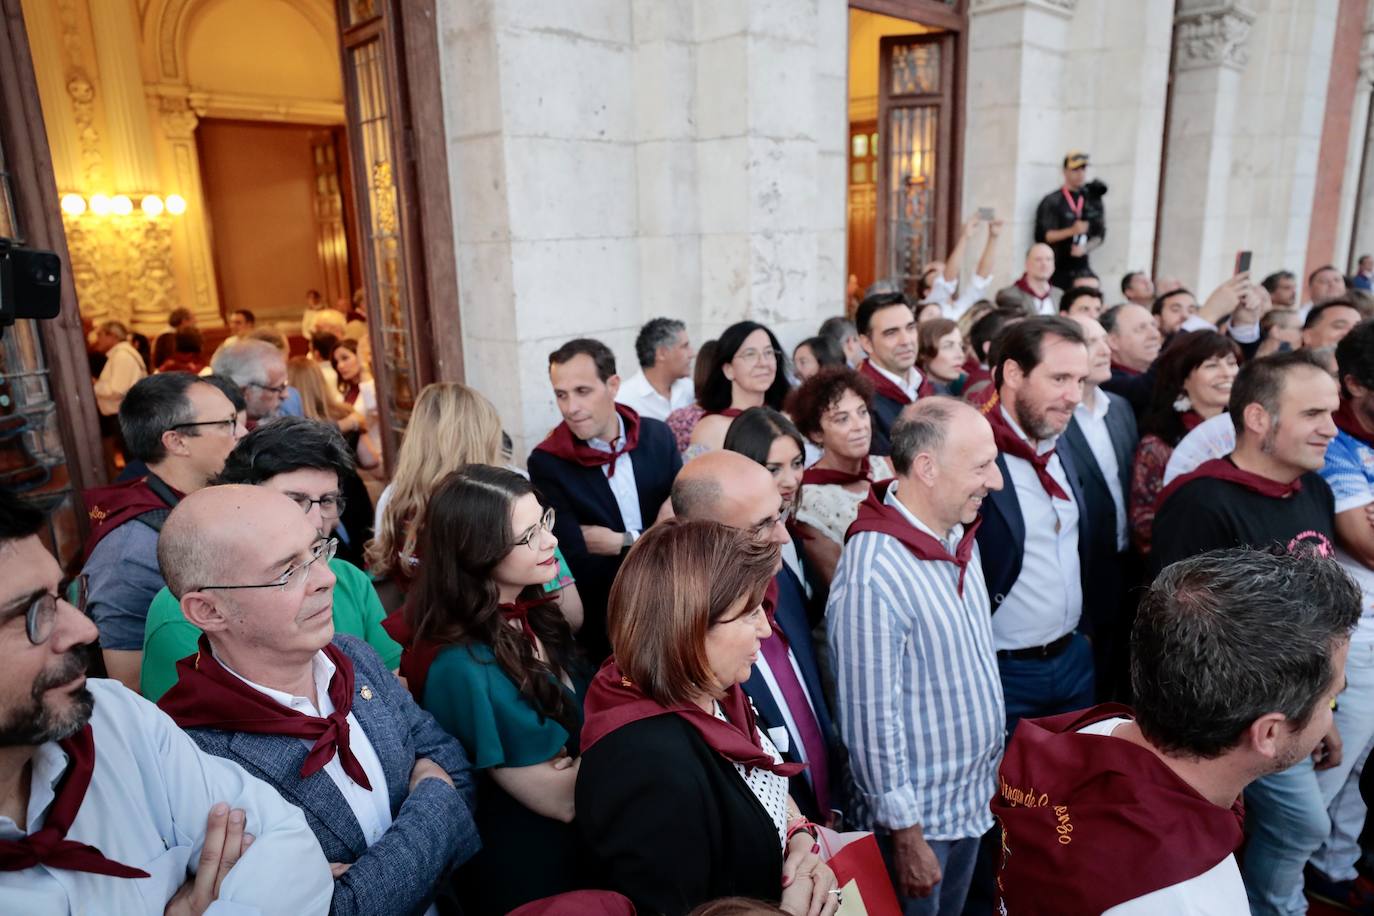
<point x="1211" y="35"/>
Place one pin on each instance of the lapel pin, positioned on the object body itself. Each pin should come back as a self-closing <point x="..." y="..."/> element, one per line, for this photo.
<point x="366" y="692"/>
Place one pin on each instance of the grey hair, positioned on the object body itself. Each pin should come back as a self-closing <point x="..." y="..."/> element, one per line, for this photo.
<point x="246" y="361"/>
<point x="921" y="427"/>
<point x="115" y="329"/>
<point x="1228" y="636"/>
<point x="659" y="332"/>
<point x="838" y="329"/>
<point x="696" y="497"/>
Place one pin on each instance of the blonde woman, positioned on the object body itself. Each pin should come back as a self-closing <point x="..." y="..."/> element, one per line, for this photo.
<point x="305" y="376"/>
<point x="451" y="427"/>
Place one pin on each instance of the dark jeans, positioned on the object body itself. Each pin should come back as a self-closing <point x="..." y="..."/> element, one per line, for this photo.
<point x="956" y="859"/>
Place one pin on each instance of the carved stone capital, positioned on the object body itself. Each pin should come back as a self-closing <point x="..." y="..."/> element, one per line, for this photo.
<point x="179" y="120"/>
<point x="1060" y="7"/>
<point x="1212" y="33"/>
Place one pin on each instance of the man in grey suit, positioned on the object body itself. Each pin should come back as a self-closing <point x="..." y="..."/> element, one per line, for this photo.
<point x="1102" y="437"/>
<point x="387" y="792"/>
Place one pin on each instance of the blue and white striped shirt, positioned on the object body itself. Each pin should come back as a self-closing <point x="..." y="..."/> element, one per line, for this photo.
<point x="919" y="696"/>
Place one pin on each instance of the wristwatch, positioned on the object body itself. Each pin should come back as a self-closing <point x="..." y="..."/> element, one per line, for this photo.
<point x="627" y="541"/>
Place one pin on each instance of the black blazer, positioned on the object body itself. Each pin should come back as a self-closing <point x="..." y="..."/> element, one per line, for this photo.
<point x="670" y="823"/>
<point x="1136" y="389"/>
<point x="581" y="496"/>
<point x="884" y="413"/>
<point x="1001" y="538"/>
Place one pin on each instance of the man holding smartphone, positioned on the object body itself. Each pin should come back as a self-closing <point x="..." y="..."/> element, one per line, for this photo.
<point x="1071" y="220"/>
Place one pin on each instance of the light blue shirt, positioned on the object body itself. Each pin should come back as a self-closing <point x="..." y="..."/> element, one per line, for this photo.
<point x="149" y="797"/>
<point x="622" y="481"/>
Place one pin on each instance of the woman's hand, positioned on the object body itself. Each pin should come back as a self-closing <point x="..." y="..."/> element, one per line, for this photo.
<point x="807" y="882"/>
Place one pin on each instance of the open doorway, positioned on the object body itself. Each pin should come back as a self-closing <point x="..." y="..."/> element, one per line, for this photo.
<point x="903" y="134"/>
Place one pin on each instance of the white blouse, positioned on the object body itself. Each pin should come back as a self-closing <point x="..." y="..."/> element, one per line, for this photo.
<point x="830" y="508"/>
<point x="768" y="787"/>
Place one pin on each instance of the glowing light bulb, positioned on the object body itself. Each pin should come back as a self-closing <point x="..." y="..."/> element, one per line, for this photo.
<point x="100" y="204"/>
<point x="152" y="205"/>
<point x="176" y="204"/>
<point x="121" y="205"/>
<point x="73" y="204"/>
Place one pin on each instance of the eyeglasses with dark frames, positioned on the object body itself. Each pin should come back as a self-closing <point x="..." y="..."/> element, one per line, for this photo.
<point x="41" y="616"/>
<point x="331" y="504"/>
<point x="322" y="550"/>
<point x="229" y="424"/>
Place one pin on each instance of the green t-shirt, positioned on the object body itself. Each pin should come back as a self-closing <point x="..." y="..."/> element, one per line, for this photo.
<point x="472" y="698"/>
<point x="168" y="637"/>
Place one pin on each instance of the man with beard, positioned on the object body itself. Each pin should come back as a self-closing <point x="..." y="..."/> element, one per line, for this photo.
<point x="1237" y="658"/>
<point x="104" y="802"/>
<point x="1266" y="493"/>
<point x="1034" y="537"/>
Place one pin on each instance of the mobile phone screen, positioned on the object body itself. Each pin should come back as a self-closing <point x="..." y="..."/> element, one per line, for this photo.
<point x="1242" y="261"/>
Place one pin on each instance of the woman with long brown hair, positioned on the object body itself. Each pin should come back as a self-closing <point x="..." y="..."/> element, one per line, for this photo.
<point x="492" y="658"/>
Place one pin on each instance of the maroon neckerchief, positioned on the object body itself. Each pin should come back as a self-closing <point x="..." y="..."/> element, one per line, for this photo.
<point x="520" y="611"/>
<point x="208" y="696"/>
<point x="613" y="701"/>
<point x="1023" y="284"/>
<point x="561" y="443"/>
<point x="417" y="655"/>
<point x="1348" y="423"/>
<point x="1125" y="370"/>
<point x="770" y="609"/>
<point x="882" y="385"/>
<point x="1137" y="826"/>
<point x="876" y="515"/>
<point x="1224" y="469"/>
<point x="1190" y="419"/>
<point x="730" y="412"/>
<point x="110" y="506"/>
<point x="814" y="476"/>
<point x="1009" y="443"/>
<point x="350" y="394"/>
<point x="49" y="845"/>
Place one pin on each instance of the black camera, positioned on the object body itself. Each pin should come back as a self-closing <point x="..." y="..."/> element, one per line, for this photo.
<point x="30" y="283"/>
<point x="1097" y="188"/>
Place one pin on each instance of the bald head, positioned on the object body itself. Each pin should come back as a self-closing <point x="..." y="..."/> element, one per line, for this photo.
<point x="717" y="486"/>
<point x="217" y="532"/>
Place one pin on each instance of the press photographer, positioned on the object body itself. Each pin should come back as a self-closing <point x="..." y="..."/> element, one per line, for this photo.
<point x="1071" y="220"/>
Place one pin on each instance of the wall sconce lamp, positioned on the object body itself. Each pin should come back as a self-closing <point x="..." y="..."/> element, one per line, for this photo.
<point x="152" y="205"/>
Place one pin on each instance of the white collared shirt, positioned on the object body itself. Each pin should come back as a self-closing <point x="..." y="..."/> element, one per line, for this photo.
<point x="622" y="481"/>
<point x="371" y="808"/>
<point x="643" y="398"/>
<point x="1046" y="600"/>
<point x="1093" y="421"/>
<point x="146" y="806"/>
<point x="909" y="385"/>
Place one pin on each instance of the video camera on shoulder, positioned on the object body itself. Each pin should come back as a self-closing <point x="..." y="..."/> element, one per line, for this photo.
<point x="30" y="283"/>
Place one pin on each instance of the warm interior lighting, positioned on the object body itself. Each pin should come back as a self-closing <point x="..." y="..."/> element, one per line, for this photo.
<point x="121" y="205"/>
<point x="100" y="204"/>
<point x="152" y="205"/>
<point x="73" y="204"/>
<point x="176" y="204"/>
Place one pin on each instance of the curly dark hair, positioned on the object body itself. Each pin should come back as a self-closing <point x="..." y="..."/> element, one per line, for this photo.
<point x="1185" y="353"/>
<point x="822" y="391"/>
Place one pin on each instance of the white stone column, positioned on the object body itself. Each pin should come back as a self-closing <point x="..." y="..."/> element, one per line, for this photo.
<point x="134" y="162"/>
<point x="1209" y="55"/>
<point x="1357" y="199"/>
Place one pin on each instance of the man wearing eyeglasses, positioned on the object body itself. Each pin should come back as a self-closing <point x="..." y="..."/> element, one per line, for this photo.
<point x="386" y="790"/>
<point x="305" y="460"/>
<point x="105" y="805"/>
<point x="785" y="686"/>
<point x="181" y="428"/>
<point x="260" y="369"/>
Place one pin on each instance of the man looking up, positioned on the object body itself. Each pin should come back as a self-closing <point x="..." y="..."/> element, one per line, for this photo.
<point x="909" y="623"/>
<point x="1237" y="656"/>
<point x="181" y="428"/>
<point x="104" y="803"/>
<point x="785" y="686"/>
<point x="887" y="331"/>
<point x="1138" y="289"/>
<point x="605" y="472"/>
<point x="305" y="460"/>
<point x="1324" y="283"/>
<point x="664" y="381"/>
<point x="386" y="790"/>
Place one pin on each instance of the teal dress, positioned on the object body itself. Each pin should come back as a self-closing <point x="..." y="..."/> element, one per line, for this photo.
<point x="524" y="856"/>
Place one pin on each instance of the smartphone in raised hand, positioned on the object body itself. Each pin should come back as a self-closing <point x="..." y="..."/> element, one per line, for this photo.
<point x="1242" y="262"/>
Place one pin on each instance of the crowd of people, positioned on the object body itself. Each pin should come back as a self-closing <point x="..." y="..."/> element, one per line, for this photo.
<point x="1065" y="602"/>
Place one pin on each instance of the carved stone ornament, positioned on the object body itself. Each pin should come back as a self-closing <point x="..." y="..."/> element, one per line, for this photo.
<point x="1062" y="7"/>
<point x="1212" y="35"/>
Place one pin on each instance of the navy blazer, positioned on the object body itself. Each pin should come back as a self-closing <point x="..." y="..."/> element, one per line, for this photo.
<point x="1002" y="536"/>
<point x="884" y="413"/>
<point x="581" y="496"/>
<point x="791" y="618"/>
<point x="432" y="829"/>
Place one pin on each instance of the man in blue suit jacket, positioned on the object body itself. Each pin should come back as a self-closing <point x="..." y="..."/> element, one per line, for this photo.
<point x="606" y="473"/>
<point x="1101" y="439"/>
<point x="785" y="685"/>
<point x="386" y="790"/>
<point x="1036" y="538"/>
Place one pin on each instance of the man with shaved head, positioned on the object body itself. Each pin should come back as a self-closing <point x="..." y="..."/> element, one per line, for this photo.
<point x="729" y="488"/>
<point x="1032" y="294"/>
<point x="918" y="693"/>
<point x="387" y="791"/>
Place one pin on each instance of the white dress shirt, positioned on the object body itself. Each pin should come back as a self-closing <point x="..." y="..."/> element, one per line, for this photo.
<point x="1093" y="422"/>
<point x="909" y="385"/>
<point x="622" y="481"/>
<point x="123" y="367"/>
<point x="1047" y="598"/>
<point x="640" y="396"/>
<point x="149" y="797"/>
<point x="942" y="292"/>
<point x="371" y="807"/>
